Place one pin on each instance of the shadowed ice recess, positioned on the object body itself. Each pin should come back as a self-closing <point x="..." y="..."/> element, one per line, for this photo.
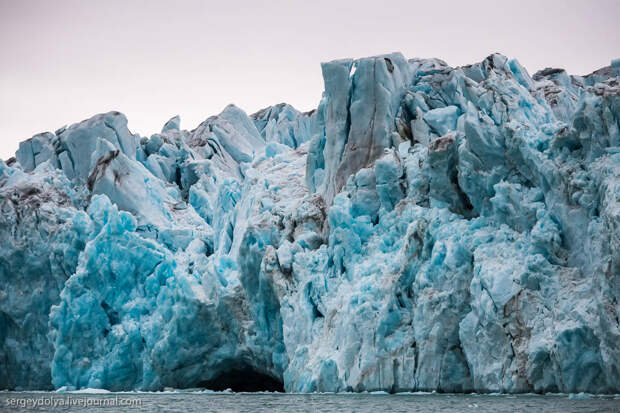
<point x="425" y="228"/>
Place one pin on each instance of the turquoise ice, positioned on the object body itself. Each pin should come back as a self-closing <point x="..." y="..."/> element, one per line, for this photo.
<point x="427" y="227"/>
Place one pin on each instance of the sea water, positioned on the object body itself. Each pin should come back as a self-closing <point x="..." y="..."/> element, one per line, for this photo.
<point x="184" y="401"/>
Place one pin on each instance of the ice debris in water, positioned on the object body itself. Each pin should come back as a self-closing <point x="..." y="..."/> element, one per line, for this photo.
<point x="425" y="228"/>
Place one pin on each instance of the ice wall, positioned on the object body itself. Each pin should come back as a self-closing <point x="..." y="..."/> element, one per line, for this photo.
<point x="425" y="228"/>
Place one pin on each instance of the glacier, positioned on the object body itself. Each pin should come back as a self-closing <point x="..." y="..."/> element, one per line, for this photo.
<point x="425" y="228"/>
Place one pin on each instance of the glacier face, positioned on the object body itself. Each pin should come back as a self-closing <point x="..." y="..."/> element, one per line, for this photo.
<point x="425" y="228"/>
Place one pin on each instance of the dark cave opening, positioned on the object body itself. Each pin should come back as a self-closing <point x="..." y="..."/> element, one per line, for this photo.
<point x="243" y="379"/>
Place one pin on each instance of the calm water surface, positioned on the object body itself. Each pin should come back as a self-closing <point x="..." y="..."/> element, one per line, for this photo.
<point x="277" y="402"/>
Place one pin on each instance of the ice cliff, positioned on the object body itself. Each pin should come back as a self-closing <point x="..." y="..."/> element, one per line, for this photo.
<point x="425" y="228"/>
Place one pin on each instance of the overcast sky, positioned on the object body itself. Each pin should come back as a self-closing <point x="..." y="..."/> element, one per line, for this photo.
<point x="64" y="61"/>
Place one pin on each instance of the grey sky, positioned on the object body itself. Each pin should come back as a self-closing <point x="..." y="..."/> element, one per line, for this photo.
<point x="65" y="60"/>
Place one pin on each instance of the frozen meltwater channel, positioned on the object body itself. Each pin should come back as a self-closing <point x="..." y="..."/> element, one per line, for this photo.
<point x="425" y="228"/>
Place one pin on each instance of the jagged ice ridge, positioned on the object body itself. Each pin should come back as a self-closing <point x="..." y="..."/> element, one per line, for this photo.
<point x="425" y="228"/>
